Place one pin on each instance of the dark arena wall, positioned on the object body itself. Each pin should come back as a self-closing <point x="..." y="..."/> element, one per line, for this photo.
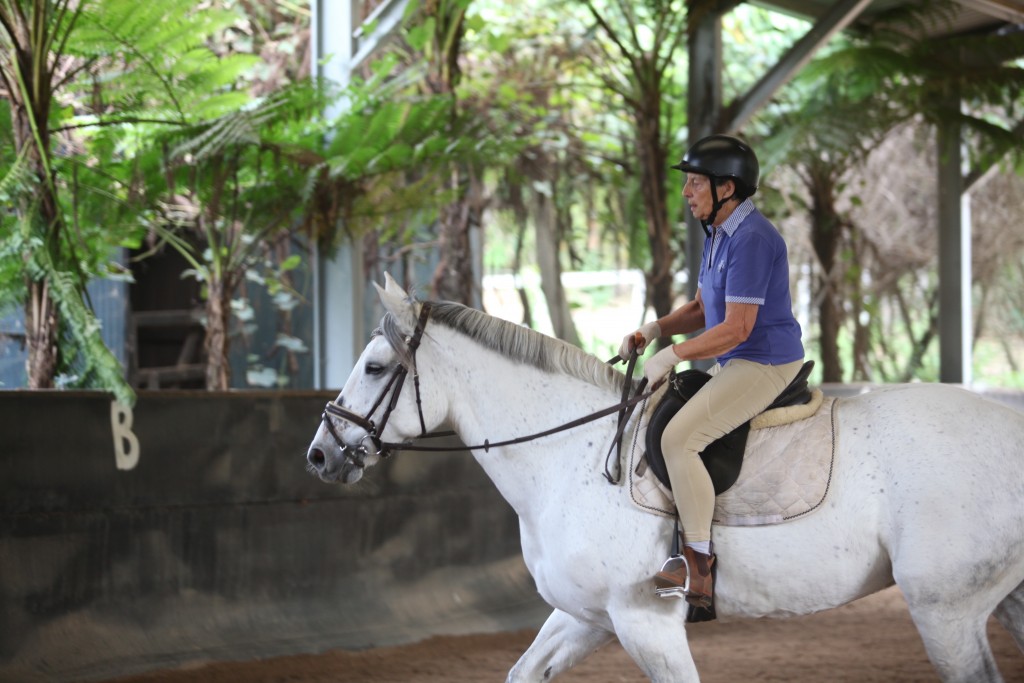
<point x="187" y="529"/>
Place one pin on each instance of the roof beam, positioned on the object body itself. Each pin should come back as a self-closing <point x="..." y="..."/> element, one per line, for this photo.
<point x="1011" y="11"/>
<point x="838" y="17"/>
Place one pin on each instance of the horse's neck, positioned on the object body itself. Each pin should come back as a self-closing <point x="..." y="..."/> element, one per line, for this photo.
<point x="506" y="400"/>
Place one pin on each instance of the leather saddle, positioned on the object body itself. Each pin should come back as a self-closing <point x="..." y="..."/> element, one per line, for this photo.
<point x="723" y="458"/>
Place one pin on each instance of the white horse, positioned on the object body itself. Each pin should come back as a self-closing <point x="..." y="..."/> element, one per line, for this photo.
<point x="927" y="493"/>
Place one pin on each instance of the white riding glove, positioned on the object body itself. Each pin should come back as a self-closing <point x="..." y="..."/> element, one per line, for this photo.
<point x="648" y="332"/>
<point x="658" y="365"/>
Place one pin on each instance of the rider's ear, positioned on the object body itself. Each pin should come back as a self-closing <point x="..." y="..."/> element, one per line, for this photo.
<point x="397" y="303"/>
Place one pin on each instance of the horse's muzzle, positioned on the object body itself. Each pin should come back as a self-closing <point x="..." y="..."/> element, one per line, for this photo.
<point x="346" y="466"/>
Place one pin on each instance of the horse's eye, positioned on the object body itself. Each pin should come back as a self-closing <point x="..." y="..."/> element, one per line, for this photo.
<point x="374" y="368"/>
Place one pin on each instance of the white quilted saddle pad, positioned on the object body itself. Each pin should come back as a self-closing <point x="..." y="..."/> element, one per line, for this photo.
<point x="787" y="470"/>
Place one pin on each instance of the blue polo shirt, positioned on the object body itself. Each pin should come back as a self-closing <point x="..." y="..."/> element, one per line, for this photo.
<point x="746" y="261"/>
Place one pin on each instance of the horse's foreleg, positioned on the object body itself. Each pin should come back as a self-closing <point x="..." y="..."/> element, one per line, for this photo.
<point x="563" y="642"/>
<point x="1010" y="614"/>
<point x="656" y="640"/>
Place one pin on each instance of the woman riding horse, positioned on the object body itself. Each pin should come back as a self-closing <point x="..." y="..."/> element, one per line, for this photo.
<point x="743" y="301"/>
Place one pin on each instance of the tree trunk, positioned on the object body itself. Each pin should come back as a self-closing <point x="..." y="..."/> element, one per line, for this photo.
<point x="862" y="331"/>
<point x="218" y="319"/>
<point x="453" y="278"/>
<point x="919" y="345"/>
<point x="652" y="160"/>
<point x="522" y="220"/>
<point x="826" y="232"/>
<point x="42" y="320"/>
<point x="548" y="250"/>
<point x="41" y="336"/>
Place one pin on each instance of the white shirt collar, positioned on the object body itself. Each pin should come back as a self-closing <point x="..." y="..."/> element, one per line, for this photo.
<point x="736" y="217"/>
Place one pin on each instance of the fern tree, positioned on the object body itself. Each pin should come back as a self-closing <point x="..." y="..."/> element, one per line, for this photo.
<point x="822" y="137"/>
<point x="439" y="37"/>
<point x="30" y="76"/>
<point x="85" y="81"/>
<point x="839" y="112"/>
<point x="239" y="182"/>
<point x="640" y="43"/>
<point x="569" y="184"/>
<point x="233" y="185"/>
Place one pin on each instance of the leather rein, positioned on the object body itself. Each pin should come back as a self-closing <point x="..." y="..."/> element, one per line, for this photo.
<point x="624" y="408"/>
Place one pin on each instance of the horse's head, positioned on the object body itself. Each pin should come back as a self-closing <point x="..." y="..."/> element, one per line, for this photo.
<point x="381" y="403"/>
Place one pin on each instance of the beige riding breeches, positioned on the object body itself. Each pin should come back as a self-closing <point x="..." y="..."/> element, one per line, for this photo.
<point x="736" y="392"/>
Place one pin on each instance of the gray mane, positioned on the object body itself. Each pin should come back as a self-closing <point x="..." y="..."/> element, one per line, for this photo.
<point x="515" y="342"/>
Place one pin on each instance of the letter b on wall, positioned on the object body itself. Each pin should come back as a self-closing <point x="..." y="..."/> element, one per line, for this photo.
<point x="126" y="444"/>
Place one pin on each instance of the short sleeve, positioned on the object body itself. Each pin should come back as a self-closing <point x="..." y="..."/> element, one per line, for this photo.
<point x="750" y="269"/>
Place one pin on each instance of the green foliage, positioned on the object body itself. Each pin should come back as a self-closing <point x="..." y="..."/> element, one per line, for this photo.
<point x="975" y="81"/>
<point x="151" y="59"/>
<point x="239" y="178"/>
<point x="828" y="122"/>
<point x="388" y="135"/>
<point x="93" y="359"/>
<point x="237" y="182"/>
<point x="157" y="132"/>
<point x="389" y="149"/>
<point x="15" y="180"/>
<point x="160" y="124"/>
<point x="122" y="71"/>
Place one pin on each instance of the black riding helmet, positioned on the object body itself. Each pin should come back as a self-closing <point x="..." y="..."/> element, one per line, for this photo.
<point x="723" y="157"/>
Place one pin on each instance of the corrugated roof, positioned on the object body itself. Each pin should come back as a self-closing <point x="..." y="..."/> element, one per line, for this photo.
<point x="968" y="15"/>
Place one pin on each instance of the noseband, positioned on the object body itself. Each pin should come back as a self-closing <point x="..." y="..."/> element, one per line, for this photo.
<point x="394" y="386"/>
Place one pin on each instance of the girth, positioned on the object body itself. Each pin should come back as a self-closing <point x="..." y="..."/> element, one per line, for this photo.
<point x="723" y="457"/>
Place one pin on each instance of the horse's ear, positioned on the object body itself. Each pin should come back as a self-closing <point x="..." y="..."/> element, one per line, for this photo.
<point x="391" y="285"/>
<point x="397" y="303"/>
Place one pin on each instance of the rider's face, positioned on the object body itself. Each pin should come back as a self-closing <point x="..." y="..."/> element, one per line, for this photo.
<point x="697" y="192"/>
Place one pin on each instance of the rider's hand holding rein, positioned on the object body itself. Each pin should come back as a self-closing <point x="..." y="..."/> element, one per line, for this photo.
<point x="658" y="365"/>
<point x="640" y="339"/>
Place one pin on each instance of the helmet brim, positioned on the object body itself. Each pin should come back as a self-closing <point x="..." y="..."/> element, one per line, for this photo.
<point x="690" y="168"/>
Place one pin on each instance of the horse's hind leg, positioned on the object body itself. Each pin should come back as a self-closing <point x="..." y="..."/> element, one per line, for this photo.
<point x="956" y="642"/>
<point x="1010" y="614"/>
<point x="562" y="642"/>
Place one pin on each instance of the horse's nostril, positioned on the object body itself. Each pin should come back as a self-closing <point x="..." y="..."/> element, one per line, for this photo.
<point x="316" y="457"/>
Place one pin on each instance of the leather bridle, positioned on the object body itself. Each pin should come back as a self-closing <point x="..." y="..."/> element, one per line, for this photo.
<point x="394" y="386"/>
<point x="383" y="449"/>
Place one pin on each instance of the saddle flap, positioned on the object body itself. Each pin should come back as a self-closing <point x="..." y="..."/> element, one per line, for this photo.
<point x="723" y="458"/>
